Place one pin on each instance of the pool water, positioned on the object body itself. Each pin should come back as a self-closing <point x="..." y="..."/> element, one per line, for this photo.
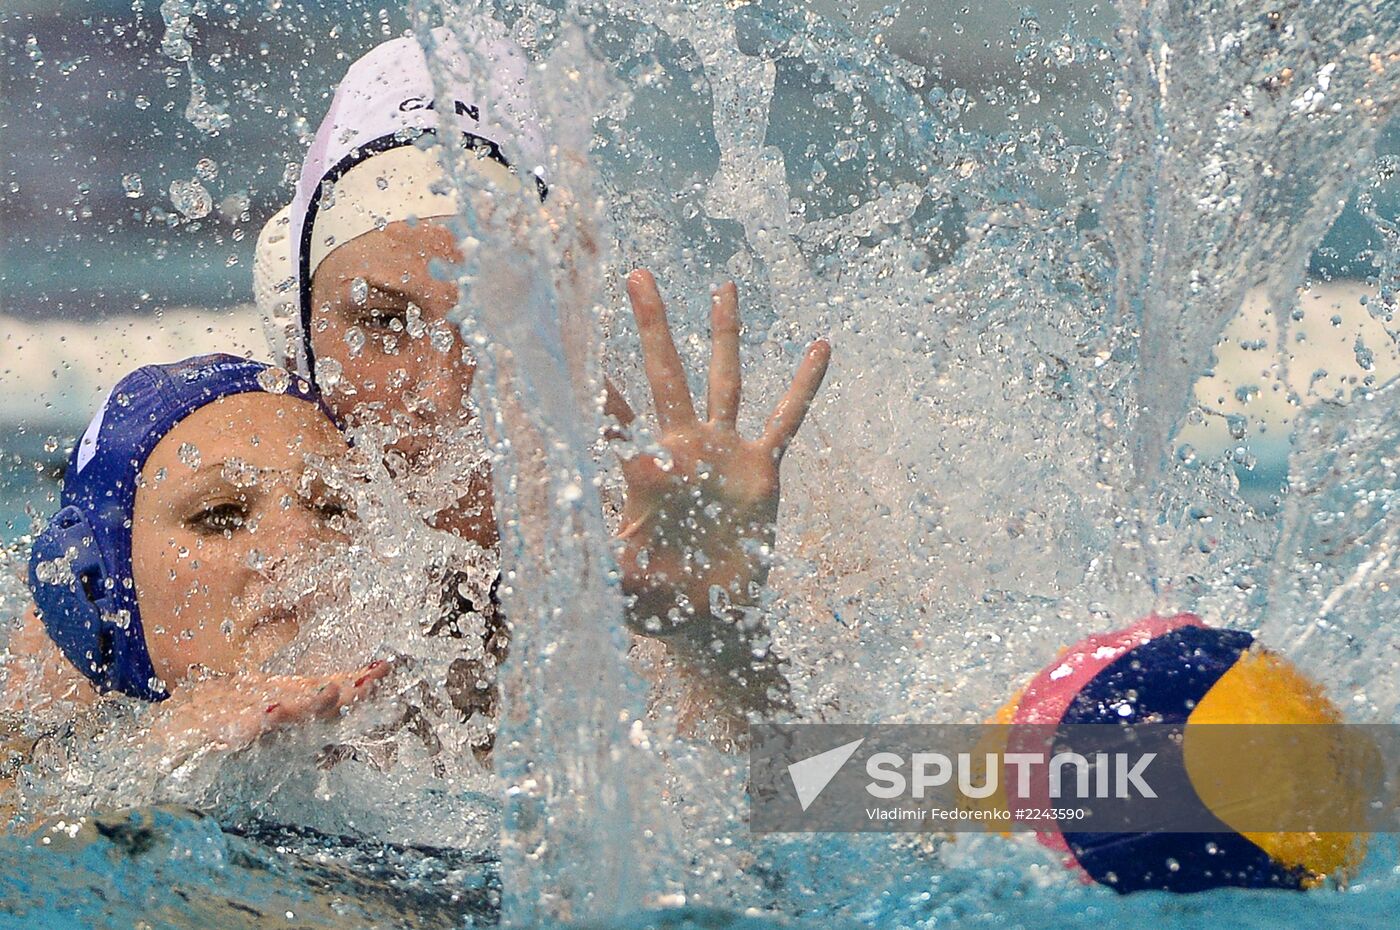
<point x="170" y="867"/>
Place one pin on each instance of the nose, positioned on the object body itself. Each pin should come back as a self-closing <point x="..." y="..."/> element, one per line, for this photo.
<point x="439" y="380"/>
<point x="293" y="524"/>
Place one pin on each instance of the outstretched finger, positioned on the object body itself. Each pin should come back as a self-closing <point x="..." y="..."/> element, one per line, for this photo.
<point x="306" y="700"/>
<point x="326" y="700"/>
<point x="664" y="371"/>
<point x="792" y="409"/>
<point x="722" y="403"/>
<point x="367" y="676"/>
<point x="353" y="690"/>
<point x="300" y="699"/>
<point x="616" y="406"/>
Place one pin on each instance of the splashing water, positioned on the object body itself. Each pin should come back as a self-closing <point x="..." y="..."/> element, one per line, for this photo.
<point x="1242" y="133"/>
<point x="571" y="826"/>
<point x="405" y="769"/>
<point x="1020" y="303"/>
<point x="1336" y="558"/>
<point x="1062" y="350"/>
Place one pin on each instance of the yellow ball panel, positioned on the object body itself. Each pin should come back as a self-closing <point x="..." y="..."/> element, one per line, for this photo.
<point x="993" y="742"/>
<point x="1250" y="776"/>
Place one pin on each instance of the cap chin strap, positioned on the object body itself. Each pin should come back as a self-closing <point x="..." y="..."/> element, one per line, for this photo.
<point x="79" y="609"/>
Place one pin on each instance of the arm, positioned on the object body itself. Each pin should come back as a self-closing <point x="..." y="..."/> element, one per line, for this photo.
<point x="224" y="713"/>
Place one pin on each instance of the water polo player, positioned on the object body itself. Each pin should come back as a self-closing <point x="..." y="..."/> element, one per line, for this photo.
<point x="345" y="280"/>
<point x="188" y="489"/>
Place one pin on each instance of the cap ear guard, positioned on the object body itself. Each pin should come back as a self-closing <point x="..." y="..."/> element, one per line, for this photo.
<point x="74" y="589"/>
<point x="68" y="577"/>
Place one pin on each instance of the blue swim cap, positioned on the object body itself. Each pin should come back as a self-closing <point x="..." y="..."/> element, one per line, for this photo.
<point x="80" y="565"/>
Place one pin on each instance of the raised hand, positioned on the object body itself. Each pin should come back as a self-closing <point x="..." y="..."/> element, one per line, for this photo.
<point x="698" y="530"/>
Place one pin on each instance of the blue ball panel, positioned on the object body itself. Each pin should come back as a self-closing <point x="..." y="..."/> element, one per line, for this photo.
<point x="1165" y="677"/>
<point x="1161" y="681"/>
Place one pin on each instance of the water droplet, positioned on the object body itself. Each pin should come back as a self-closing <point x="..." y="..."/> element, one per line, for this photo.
<point x="1365" y="358"/>
<point x="234" y="207"/>
<point x="188" y="454"/>
<point x="204" y="115"/>
<point x="355" y="340"/>
<point x="191" y="198"/>
<point x="274" y="380"/>
<point x="413" y="325"/>
<point x="206" y="169"/>
<point x="329" y="372"/>
<point x="441" y="338"/>
<point x="56" y="571"/>
<point x="359" y="291"/>
<point x="131" y="184"/>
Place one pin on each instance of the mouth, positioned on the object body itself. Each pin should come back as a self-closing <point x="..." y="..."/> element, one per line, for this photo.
<point x="284" y="615"/>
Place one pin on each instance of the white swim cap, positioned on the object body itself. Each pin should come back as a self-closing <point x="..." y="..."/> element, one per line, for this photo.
<point x="275" y="291"/>
<point x="375" y="160"/>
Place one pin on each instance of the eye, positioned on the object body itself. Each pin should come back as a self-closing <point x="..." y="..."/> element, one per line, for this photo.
<point x="219" y="518"/>
<point x="331" y="509"/>
<point x="383" y="320"/>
